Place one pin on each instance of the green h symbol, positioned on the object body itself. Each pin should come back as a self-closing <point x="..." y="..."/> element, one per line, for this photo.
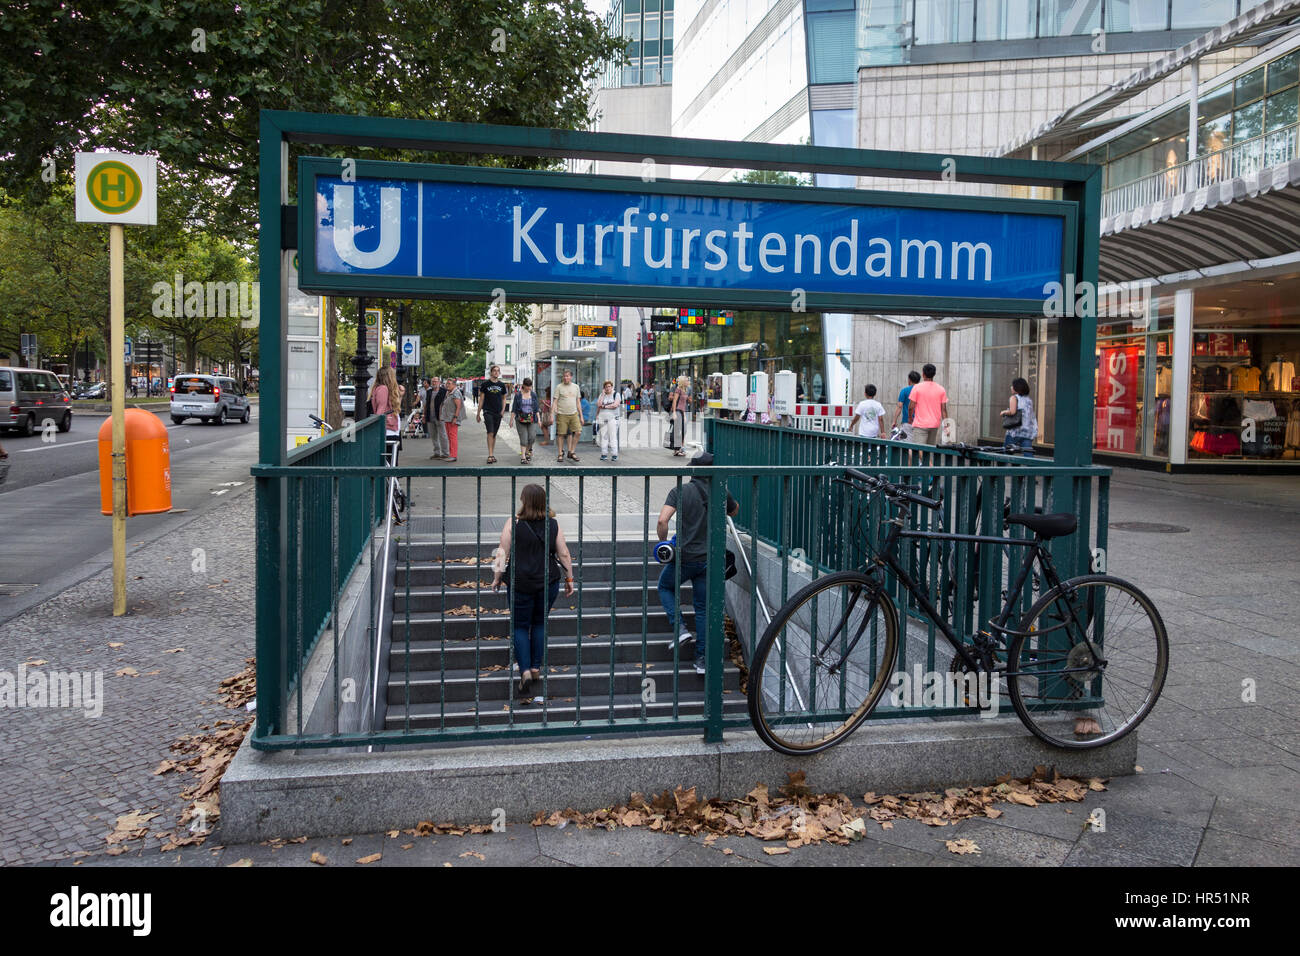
<point x="112" y="181"/>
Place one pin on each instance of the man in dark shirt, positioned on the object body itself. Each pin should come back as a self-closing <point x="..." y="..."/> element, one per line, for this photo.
<point x="437" y="428"/>
<point x="692" y="508"/>
<point x="491" y="406"/>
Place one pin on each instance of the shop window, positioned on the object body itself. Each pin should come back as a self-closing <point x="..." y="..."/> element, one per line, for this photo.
<point x="1284" y="71"/>
<point x="1063" y="18"/>
<point x="944" y="21"/>
<point x="1249" y="87"/>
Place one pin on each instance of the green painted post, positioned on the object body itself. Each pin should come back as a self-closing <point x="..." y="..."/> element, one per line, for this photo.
<point x="717" y="605"/>
<point x="271" y="528"/>
<point x="1077" y="336"/>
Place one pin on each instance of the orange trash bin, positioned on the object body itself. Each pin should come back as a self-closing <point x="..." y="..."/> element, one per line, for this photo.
<point x="148" y="465"/>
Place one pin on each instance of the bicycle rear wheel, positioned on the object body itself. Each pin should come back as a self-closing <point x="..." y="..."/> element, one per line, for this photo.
<point x="1098" y="652"/>
<point x="823" y="663"/>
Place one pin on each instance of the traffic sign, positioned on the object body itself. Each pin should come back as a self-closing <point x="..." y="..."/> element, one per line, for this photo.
<point x="117" y="188"/>
<point x="28" y="343"/>
<point x="410" y="350"/>
<point x="127" y="352"/>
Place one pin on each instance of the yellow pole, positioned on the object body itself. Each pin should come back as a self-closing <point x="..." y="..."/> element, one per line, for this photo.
<point x="117" y="353"/>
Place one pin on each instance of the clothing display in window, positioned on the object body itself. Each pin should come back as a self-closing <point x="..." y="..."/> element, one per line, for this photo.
<point x="1280" y="375"/>
<point x="1293" y="427"/>
<point x="1164" y="380"/>
<point x="1258" y="410"/>
<point x="1246" y="378"/>
<point x="1215" y="379"/>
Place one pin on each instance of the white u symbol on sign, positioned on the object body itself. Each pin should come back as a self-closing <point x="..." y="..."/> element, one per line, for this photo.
<point x="390" y="228"/>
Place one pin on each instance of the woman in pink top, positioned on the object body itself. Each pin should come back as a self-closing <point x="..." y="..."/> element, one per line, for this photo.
<point x="385" y="398"/>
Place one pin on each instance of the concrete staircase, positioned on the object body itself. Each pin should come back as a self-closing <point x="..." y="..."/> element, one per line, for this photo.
<point x="459" y="665"/>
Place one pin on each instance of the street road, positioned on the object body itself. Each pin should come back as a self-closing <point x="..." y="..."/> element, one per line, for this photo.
<point x="50" y="522"/>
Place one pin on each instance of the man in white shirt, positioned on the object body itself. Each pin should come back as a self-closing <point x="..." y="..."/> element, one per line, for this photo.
<point x="869" y="416"/>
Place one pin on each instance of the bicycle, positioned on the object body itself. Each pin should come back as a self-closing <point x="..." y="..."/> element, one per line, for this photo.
<point x="836" y="642"/>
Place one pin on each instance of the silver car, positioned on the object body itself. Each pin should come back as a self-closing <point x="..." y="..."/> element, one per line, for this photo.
<point x="209" y="398"/>
<point x="31" y="396"/>
<point x="348" y="399"/>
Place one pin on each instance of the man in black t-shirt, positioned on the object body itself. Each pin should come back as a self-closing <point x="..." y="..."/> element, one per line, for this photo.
<point x="491" y="406"/>
<point x="691" y="507"/>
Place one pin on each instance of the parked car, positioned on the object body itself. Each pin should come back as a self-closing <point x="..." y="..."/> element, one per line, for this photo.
<point x="211" y="398"/>
<point x="31" y="396"/>
<point x="348" y="399"/>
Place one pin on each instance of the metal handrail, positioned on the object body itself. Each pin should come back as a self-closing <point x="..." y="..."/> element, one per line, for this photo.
<point x="389" y="502"/>
<point x="1240" y="159"/>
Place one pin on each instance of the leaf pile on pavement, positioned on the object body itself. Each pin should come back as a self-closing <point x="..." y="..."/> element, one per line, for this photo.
<point x="465" y="611"/>
<point x="129" y="826"/>
<point x="734" y="652"/>
<point x="206" y="756"/>
<point x="798" y="817"/>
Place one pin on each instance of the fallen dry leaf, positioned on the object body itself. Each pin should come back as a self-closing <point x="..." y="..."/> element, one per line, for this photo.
<point x="244" y="862"/>
<point x="347" y="841"/>
<point x="776" y="850"/>
<point x="477" y="856"/>
<point x="170" y="650"/>
<point x="37" y="663"/>
<point x="961" y="847"/>
<point x="116" y="644"/>
<point x="318" y="858"/>
<point x="371" y="858"/>
<point x="127" y="672"/>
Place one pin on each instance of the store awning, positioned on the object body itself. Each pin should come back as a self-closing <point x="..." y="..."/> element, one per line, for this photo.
<point x="700" y="353"/>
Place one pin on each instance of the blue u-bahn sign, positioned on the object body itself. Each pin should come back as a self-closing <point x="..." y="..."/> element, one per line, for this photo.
<point x="476" y="233"/>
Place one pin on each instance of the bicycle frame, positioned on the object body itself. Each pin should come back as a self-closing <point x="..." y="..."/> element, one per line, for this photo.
<point x="1036" y="553"/>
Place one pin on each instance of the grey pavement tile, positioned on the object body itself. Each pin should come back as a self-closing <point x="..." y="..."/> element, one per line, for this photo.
<point x="1201" y="672"/>
<point x="1288" y="742"/>
<point x="1007" y="846"/>
<point x="619" y="847"/>
<point x="1063" y="821"/>
<point x="865" y="852"/>
<point x="1096" y="853"/>
<point x="1246" y="752"/>
<point x="694" y="853"/>
<point x="1163" y="796"/>
<point x="1247" y="818"/>
<point x="540" y="860"/>
<point x="1221" y="848"/>
<point x="1273" y="645"/>
<point x="1171" y="721"/>
<point x="1180" y="756"/>
<point x="1257" y="721"/>
<point x="1208" y="695"/>
<point x="1144" y="835"/>
<point x="1267" y="786"/>
<point x="913" y="835"/>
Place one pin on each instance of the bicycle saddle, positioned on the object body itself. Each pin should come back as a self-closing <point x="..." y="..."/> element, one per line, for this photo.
<point x="1047" y="526"/>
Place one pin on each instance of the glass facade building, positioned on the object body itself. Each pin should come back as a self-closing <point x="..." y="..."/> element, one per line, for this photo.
<point x="647" y="26"/>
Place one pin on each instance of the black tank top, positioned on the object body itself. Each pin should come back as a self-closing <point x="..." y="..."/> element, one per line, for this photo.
<point x="531" y="554"/>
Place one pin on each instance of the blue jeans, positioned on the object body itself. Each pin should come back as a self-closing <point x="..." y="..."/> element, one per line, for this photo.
<point x="1012" y="444"/>
<point x="530" y="622"/>
<point x="696" y="572"/>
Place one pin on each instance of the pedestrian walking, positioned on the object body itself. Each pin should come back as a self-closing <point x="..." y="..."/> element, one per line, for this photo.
<point x="607" y="418"/>
<point x="690" y="502"/>
<point x="433" y="407"/>
<point x="548" y="418"/>
<point x="524" y="411"/>
<point x="568" y="416"/>
<point x="385" y="399"/>
<point x="451" y="415"/>
<point x="678" y="400"/>
<point x="903" y="412"/>
<point x="491" y="407"/>
<point x="928" y="402"/>
<point x="869" y="415"/>
<point x="533" y="575"/>
<point x="1019" y="421"/>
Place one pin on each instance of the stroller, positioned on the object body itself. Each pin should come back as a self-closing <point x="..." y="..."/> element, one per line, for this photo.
<point x="415" y="426"/>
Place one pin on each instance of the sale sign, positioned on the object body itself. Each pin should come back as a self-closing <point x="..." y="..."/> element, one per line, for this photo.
<point x="1116" y="411"/>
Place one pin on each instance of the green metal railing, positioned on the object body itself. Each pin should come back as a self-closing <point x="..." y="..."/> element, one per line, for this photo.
<point x="331" y="517"/>
<point x="828" y="528"/>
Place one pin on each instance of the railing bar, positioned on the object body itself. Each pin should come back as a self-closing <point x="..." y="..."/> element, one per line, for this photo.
<point x="613" y="588"/>
<point x="334" y="590"/>
<point x="478" y="598"/>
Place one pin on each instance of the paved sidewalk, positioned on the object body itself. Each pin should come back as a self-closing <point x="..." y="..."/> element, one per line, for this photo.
<point x="1220" y="780"/>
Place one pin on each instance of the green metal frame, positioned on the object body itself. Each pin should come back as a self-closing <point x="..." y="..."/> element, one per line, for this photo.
<point x="312" y="280"/>
<point x="1080" y="185"/>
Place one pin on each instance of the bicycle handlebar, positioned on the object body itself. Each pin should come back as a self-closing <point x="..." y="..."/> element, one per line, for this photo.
<point x="894" y="491"/>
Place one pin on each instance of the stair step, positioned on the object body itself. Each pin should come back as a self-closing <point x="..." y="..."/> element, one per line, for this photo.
<point x="430" y="686"/>
<point x="593" y="596"/>
<point x="596" y="652"/>
<point x="432" y="549"/>
<point x="562" y="622"/>
<point x="593" y="571"/>
<point x="462" y="715"/>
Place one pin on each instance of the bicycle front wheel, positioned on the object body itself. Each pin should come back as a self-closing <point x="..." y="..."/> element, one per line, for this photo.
<point x="823" y="663"/>
<point x="1090" y="662"/>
